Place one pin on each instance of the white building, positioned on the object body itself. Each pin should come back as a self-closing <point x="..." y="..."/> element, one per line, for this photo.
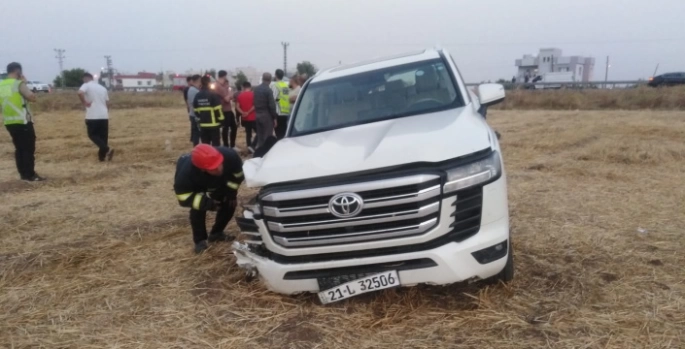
<point x="551" y="60"/>
<point x="138" y="82"/>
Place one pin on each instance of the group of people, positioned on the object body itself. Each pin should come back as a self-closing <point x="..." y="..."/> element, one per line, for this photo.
<point x="18" y="118"/>
<point x="208" y="178"/>
<point x="216" y="113"/>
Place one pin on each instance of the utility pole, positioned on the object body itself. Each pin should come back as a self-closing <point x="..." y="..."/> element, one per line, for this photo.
<point x="606" y="73"/>
<point x="108" y="60"/>
<point x="60" y="58"/>
<point x="285" y="57"/>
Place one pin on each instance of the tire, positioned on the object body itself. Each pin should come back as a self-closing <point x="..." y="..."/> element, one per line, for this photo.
<point x="507" y="274"/>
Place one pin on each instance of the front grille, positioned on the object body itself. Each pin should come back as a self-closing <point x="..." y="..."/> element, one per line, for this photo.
<point x="392" y="208"/>
<point x="468" y="206"/>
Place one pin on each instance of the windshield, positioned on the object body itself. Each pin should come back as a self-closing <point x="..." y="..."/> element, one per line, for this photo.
<point x="382" y="94"/>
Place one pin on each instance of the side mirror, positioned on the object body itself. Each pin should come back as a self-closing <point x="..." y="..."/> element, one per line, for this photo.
<point x="490" y="94"/>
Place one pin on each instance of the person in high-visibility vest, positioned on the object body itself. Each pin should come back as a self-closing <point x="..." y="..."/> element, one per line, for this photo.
<point x="18" y="120"/>
<point x="282" y="102"/>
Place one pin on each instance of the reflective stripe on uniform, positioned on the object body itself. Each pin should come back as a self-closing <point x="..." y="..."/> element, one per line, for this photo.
<point x="238" y="174"/>
<point x="232" y="185"/>
<point x="184" y="197"/>
<point x="213" y="117"/>
<point x="197" y="201"/>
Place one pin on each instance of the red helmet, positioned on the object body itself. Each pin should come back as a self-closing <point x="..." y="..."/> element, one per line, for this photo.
<point x="206" y="157"/>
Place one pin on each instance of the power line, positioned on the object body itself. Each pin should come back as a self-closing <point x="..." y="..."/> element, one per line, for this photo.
<point x="285" y="57"/>
<point x="60" y="58"/>
<point x="108" y="60"/>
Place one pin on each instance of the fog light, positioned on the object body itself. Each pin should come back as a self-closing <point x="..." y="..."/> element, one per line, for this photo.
<point x="492" y="253"/>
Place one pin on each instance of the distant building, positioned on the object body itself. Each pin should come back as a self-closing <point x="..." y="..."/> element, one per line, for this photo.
<point x="550" y="60"/>
<point x="140" y="82"/>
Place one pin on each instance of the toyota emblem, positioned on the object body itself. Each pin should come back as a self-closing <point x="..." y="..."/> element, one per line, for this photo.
<point x="346" y="205"/>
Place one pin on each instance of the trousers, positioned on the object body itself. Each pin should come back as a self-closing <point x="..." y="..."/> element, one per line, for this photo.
<point x="282" y="126"/>
<point x="211" y="135"/>
<point x="249" y="128"/>
<point x="194" y="131"/>
<point x="24" y="139"/>
<point x="198" y="222"/>
<point x="98" y="132"/>
<point x="230" y="126"/>
<point x="265" y="128"/>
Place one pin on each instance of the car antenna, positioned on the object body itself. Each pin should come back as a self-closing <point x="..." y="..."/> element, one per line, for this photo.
<point x="655" y="69"/>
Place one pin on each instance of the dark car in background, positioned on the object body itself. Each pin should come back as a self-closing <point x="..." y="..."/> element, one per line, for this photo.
<point x="668" y="79"/>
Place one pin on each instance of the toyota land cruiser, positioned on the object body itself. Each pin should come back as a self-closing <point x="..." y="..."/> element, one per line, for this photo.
<point x="388" y="176"/>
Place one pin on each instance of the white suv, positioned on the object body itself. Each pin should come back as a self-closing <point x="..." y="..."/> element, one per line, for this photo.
<point x="389" y="176"/>
<point x="37" y="86"/>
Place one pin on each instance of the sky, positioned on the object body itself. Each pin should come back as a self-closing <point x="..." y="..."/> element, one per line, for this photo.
<point x="483" y="36"/>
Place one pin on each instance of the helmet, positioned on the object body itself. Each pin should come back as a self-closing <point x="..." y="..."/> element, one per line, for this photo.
<point x="206" y="157"/>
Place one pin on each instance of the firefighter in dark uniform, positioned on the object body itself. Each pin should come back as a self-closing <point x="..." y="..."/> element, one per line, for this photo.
<point x="208" y="180"/>
<point x="208" y="110"/>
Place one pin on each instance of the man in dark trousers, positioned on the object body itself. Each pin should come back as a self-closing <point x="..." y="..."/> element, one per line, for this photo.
<point x="230" y="125"/>
<point x="265" y="109"/>
<point x="185" y="90"/>
<point x="189" y="95"/>
<point x="208" y="180"/>
<point x="208" y="110"/>
<point x="95" y="99"/>
<point x="18" y="120"/>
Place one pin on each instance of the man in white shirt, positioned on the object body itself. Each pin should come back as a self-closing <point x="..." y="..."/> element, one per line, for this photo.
<point x="95" y="99"/>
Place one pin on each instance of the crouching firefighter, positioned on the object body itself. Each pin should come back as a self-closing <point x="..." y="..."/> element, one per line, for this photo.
<point x="208" y="179"/>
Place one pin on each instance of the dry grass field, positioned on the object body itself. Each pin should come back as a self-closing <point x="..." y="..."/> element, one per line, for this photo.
<point x="643" y="97"/>
<point x="100" y="256"/>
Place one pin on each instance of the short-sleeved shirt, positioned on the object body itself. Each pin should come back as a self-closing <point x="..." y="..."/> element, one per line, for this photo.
<point x="246" y="101"/>
<point x="98" y="97"/>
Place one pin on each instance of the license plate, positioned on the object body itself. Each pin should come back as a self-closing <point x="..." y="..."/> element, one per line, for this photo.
<point x="371" y="283"/>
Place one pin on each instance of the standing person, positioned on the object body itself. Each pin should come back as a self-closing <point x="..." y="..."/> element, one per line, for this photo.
<point x="95" y="99"/>
<point x="208" y="110"/>
<point x="208" y="179"/>
<point x="18" y="120"/>
<point x="295" y="87"/>
<point x="265" y="107"/>
<point x="193" y="89"/>
<point x="222" y="88"/>
<point x="185" y="91"/>
<point x="245" y="108"/>
<point x="283" y="100"/>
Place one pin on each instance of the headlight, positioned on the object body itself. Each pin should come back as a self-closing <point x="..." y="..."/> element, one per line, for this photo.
<point x="474" y="173"/>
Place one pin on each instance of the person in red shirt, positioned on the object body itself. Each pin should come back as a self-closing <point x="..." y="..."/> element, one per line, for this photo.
<point x="245" y="107"/>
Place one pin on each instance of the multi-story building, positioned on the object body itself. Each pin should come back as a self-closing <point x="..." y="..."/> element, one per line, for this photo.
<point x="551" y="60"/>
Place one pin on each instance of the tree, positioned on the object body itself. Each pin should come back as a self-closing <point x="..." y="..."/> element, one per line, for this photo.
<point x="73" y="78"/>
<point x="211" y="72"/>
<point x="307" y="68"/>
<point x="239" y="79"/>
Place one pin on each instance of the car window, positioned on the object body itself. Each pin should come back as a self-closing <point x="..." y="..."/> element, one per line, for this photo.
<point x="382" y="94"/>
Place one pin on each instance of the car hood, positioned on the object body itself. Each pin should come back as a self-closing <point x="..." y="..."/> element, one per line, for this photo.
<point x="431" y="137"/>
